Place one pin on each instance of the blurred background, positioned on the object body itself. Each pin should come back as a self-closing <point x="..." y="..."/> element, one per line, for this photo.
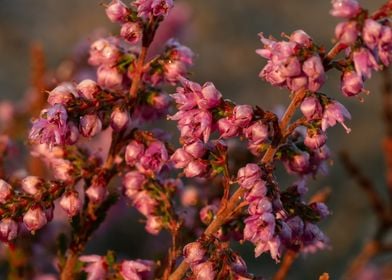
<point x="223" y="34"/>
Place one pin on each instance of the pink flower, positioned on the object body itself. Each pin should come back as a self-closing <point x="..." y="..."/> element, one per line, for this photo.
<point x="257" y="132"/>
<point x="96" y="268"/>
<point x="137" y="270"/>
<point x="154" y="224"/>
<point x="5" y="191"/>
<point x="181" y="158"/>
<point x="204" y="271"/>
<point x="97" y="192"/>
<point x="196" y="148"/>
<point x="242" y="115"/>
<point x="51" y="128"/>
<point x="110" y="77"/>
<point x="257" y="192"/>
<point x="347" y="32"/>
<point x="227" y="128"/>
<point x="364" y="63"/>
<point x="133" y="152"/>
<point x="258" y="207"/>
<point x="119" y="119"/>
<point x="148" y="8"/>
<point x="195" y="168"/>
<point x="71" y="203"/>
<point x="90" y="125"/>
<point x="385" y="45"/>
<point x="62" y="169"/>
<point x="311" y="108"/>
<point x="88" y="89"/>
<point x="133" y="182"/>
<point x="335" y="112"/>
<point x="314" y="69"/>
<point x="194" y="124"/>
<point x="345" y="8"/>
<point x="117" y="11"/>
<point x="154" y="157"/>
<point x="209" y="97"/>
<point x="301" y="37"/>
<point x="352" y="83"/>
<point x="131" y="32"/>
<point x="62" y="94"/>
<point x="194" y="253"/>
<point x="104" y="51"/>
<point x="315" y="140"/>
<point x="34" y="218"/>
<point x="31" y="184"/>
<point x="144" y="203"/>
<point x="298" y="163"/>
<point x="248" y="176"/>
<point x="371" y="33"/>
<point x="8" y="230"/>
<point x="207" y="213"/>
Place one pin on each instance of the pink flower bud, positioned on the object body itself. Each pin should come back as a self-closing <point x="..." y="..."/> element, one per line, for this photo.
<point x="71" y="203"/>
<point x="110" y="77"/>
<point x="301" y="37"/>
<point x="257" y="132"/>
<point x="227" y="128"/>
<point x="161" y="7"/>
<point x="97" y="192"/>
<point x="258" y="191"/>
<point x="34" y="218"/>
<point x="62" y="94"/>
<point x="137" y="270"/>
<point x="335" y="112"/>
<point x="352" y="83"/>
<point x="154" y="158"/>
<point x="117" y="11"/>
<point x="258" y="207"/>
<point x="242" y="115"/>
<point x="133" y="152"/>
<point x="144" y="203"/>
<point x="133" y="182"/>
<point x="204" y="271"/>
<point x="311" y="108"/>
<point x="5" y="191"/>
<point x="207" y="213"/>
<point x="8" y="230"/>
<point x="347" y="32"/>
<point x="248" y="176"/>
<point x="315" y="140"/>
<point x="103" y="51"/>
<point x="96" y="268"/>
<point x="194" y="253"/>
<point x="154" y="225"/>
<point x="90" y="125"/>
<point x="119" y="119"/>
<point x="210" y="97"/>
<point x="385" y="45"/>
<point x="314" y="69"/>
<point x="31" y="184"/>
<point x="131" y="31"/>
<point x="195" y="168"/>
<point x="190" y="196"/>
<point x="364" y="63"/>
<point x="88" y="89"/>
<point x="321" y="209"/>
<point x="196" y="149"/>
<point x="181" y="158"/>
<point x="298" y="163"/>
<point x="345" y="8"/>
<point x="62" y="169"/>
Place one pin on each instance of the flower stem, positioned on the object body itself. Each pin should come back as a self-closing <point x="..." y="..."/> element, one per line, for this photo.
<point x="138" y="72"/>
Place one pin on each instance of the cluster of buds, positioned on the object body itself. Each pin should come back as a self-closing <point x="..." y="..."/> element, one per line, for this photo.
<point x="368" y="44"/>
<point x="102" y="267"/>
<point x="294" y="64"/>
<point x="209" y="260"/>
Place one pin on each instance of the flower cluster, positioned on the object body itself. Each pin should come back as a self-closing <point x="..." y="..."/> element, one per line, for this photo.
<point x="294" y="64"/>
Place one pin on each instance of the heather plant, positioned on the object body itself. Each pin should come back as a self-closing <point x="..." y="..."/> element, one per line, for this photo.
<point x="99" y="141"/>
